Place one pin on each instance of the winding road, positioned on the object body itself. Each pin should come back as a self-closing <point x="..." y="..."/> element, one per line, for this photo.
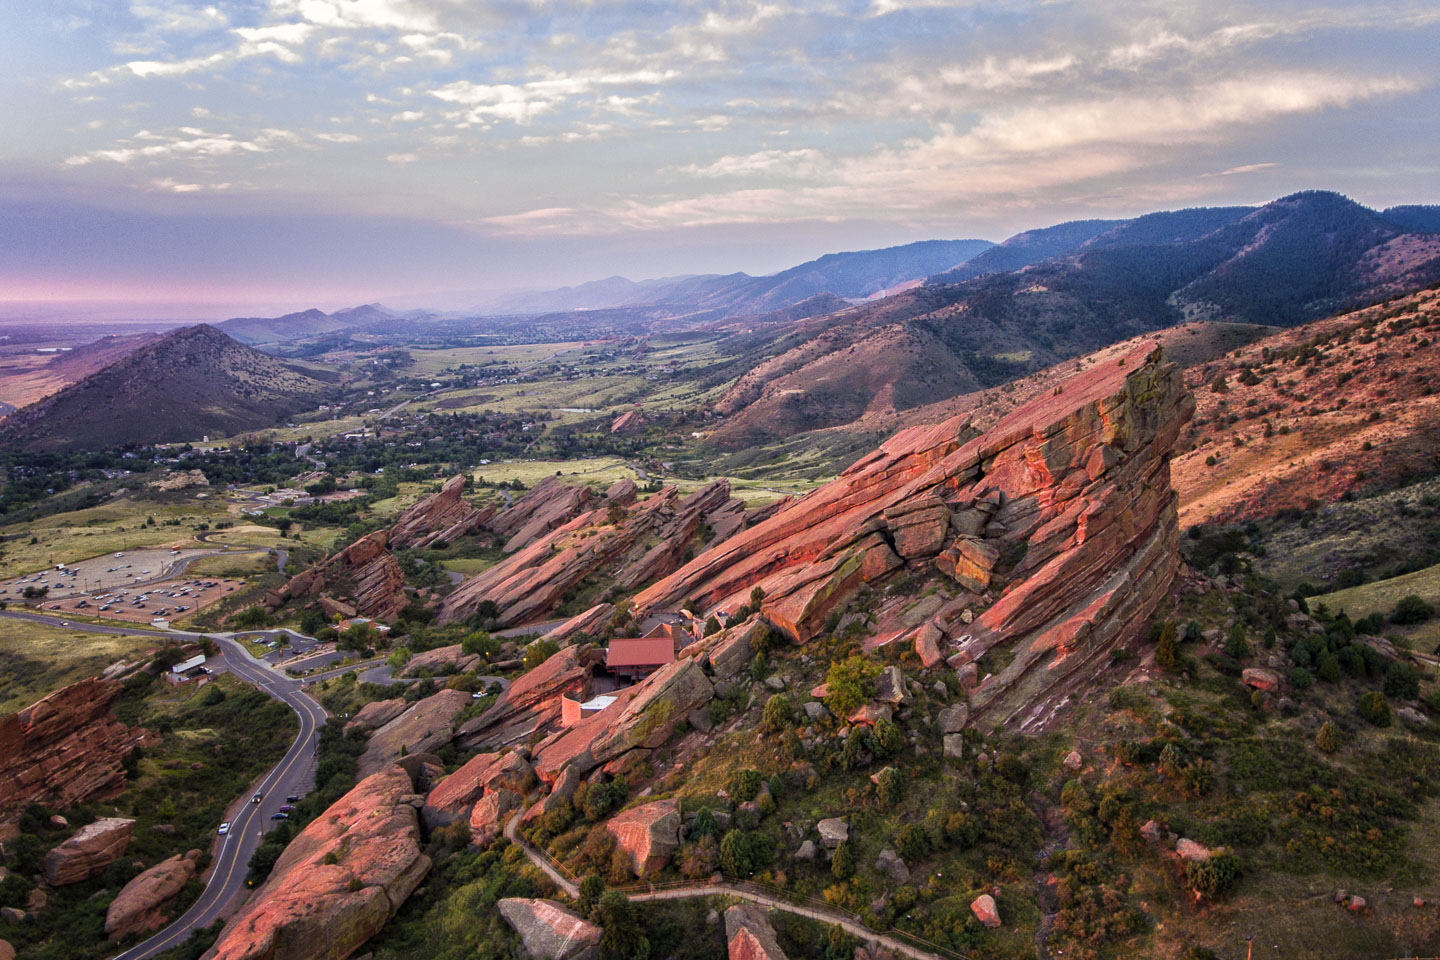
<point x="293" y="775"/>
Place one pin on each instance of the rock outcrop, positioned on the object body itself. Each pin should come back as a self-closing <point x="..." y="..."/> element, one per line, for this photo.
<point x="366" y="571"/>
<point x="642" y="718"/>
<point x="426" y="725"/>
<point x="65" y="748"/>
<point x="748" y="934"/>
<point x="647" y="834"/>
<point x="311" y="909"/>
<point x="140" y="905"/>
<point x="631" y="421"/>
<point x="443" y="516"/>
<point x="531" y="704"/>
<point x="454" y="797"/>
<point x="569" y="535"/>
<point x="548" y="931"/>
<point x="1058" y="526"/>
<point x="92" y="848"/>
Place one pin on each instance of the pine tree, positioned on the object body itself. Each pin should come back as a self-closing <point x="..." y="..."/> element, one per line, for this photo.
<point x="1236" y="645"/>
<point x="1167" y="650"/>
<point x="842" y="865"/>
<point x="1327" y="739"/>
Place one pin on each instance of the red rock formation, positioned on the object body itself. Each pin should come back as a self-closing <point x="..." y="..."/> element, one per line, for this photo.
<point x="549" y="931"/>
<point x="424" y="726"/>
<point x="532" y="702"/>
<point x="647" y="834"/>
<point x="631" y="421"/>
<point x="139" y="907"/>
<point x="1062" y="513"/>
<point x="456" y="795"/>
<point x="630" y="547"/>
<point x="547" y="505"/>
<point x="441" y="516"/>
<point x="366" y="570"/>
<point x="313" y="910"/>
<point x="89" y="851"/>
<point x="748" y="934"/>
<point x="64" y="748"/>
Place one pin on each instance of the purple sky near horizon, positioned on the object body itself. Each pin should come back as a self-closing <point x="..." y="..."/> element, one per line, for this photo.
<point x="253" y="156"/>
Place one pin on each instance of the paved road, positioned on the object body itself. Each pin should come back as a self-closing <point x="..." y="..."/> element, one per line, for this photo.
<point x="293" y="775"/>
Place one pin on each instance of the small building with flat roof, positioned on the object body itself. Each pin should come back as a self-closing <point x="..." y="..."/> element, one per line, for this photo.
<point x="638" y="657"/>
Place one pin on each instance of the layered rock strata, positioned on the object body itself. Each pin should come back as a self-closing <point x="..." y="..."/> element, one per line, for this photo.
<point x="423" y="726"/>
<point x="65" y="748"/>
<point x="568" y="535"/>
<point x="319" y="907"/>
<point x="366" y="571"/>
<point x="443" y="516"/>
<point x="1058" y="526"/>
<point x="532" y="703"/>
<point x="92" y="848"/>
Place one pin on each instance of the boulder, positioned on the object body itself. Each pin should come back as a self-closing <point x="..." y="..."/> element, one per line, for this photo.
<point x="65" y="748"/>
<point x="1413" y="717"/>
<point x="454" y="796"/>
<point x="833" y="832"/>
<point x="890" y="687"/>
<point x="1073" y="761"/>
<point x="970" y="562"/>
<point x="985" y="910"/>
<point x="548" y="931"/>
<point x="7" y="952"/>
<point x="647" y="834"/>
<point x="93" y="848"/>
<point x="12" y="915"/>
<point x="927" y="645"/>
<point x="968" y="675"/>
<point x="140" y="905"/>
<point x="1187" y="849"/>
<point x="806" y="851"/>
<point x="954" y="745"/>
<point x="952" y="719"/>
<point x="890" y="864"/>
<point x="1356" y="904"/>
<point x="749" y="935"/>
<point x="1151" y="832"/>
<point x="451" y="659"/>
<point x="918" y="526"/>
<point x="488" y="816"/>
<point x="310" y="909"/>
<point x="1259" y="678"/>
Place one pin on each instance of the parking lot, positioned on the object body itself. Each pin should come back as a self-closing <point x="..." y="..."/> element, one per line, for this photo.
<point x="167" y="600"/>
<point x="100" y="574"/>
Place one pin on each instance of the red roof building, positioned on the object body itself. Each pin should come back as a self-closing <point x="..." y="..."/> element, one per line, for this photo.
<point x="639" y="657"/>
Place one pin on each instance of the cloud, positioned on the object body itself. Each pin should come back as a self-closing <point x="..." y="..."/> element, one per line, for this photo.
<point x="1243" y="168"/>
<point x="523" y="102"/>
<point x="802" y="162"/>
<point x="187" y="143"/>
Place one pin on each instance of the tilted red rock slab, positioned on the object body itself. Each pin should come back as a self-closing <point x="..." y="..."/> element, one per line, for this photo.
<point x="366" y="570"/>
<point x="1069" y="495"/>
<point x="441" y="516"/>
<point x="307" y="909"/>
<point x="65" y="748"/>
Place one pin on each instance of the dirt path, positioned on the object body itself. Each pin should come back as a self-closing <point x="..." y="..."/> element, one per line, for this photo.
<point x="1045" y="896"/>
<point x="688" y="891"/>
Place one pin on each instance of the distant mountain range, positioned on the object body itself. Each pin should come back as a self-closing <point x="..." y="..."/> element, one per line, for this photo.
<point x="853" y="276"/>
<point x="305" y="324"/>
<point x="179" y="386"/>
<point x="1047" y="295"/>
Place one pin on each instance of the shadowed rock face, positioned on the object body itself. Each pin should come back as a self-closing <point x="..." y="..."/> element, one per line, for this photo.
<point x="532" y="702"/>
<point x="365" y="570"/>
<point x="424" y="726"/>
<point x="567" y="534"/>
<point x="64" y="748"/>
<point x="440" y="516"/>
<point x="1060" y="522"/>
<point x="311" y="910"/>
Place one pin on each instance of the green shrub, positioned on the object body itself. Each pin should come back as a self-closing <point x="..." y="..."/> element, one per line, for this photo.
<point x="1327" y="738"/>
<point x="742" y="785"/>
<point x="1213" y="877"/>
<point x="1402" y="681"/>
<point x="842" y="865"/>
<point x="778" y="714"/>
<point x="1374" y="709"/>
<point x="1301" y="679"/>
<point x="1411" y="609"/>
<point x="851" y="682"/>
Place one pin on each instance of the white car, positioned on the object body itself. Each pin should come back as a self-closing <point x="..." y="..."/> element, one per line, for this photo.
<point x="224" y="828"/>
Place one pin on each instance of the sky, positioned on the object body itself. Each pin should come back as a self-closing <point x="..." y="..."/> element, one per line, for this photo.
<point x="217" y="156"/>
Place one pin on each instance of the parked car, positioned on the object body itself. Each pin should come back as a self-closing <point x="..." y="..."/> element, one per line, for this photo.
<point x="292" y="799"/>
<point x="287" y="809"/>
<point x="279" y="816"/>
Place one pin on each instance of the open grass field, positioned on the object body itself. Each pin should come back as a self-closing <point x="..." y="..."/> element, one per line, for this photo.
<point x="239" y="566"/>
<point x="601" y="470"/>
<point x="1382" y="596"/>
<point x="116" y="526"/>
<point x="429" y="362"/>
<point x="36" y="659"/>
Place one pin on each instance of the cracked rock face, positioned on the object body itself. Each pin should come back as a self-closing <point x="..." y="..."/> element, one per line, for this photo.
<point x="1059" y="523"/>
<point x="64" y="748"/>
<point x="366" y="570"/>
<point x="549" y="931"/>
<point x="749" y="936"/>
<point x="312" y="910"/>
<point x="442" y="516"/>
<point x="93" y="848"/>
<point x="648" y="834"/>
